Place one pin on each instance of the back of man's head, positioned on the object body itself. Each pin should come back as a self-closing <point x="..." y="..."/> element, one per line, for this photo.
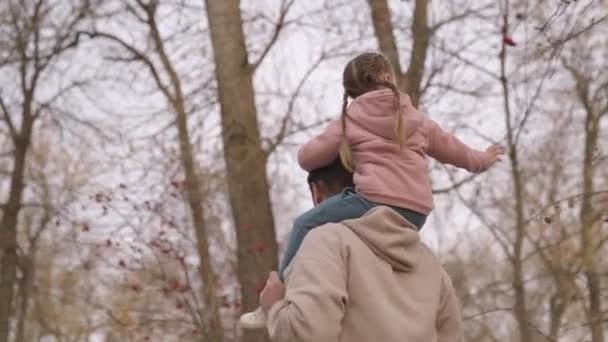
<point x="333" y="178"/>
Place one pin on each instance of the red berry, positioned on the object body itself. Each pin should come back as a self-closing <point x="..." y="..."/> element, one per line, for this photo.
<point x="509" y="41"/>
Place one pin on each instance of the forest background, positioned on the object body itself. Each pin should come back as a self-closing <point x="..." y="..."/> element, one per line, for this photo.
<point x="147" y="157"/>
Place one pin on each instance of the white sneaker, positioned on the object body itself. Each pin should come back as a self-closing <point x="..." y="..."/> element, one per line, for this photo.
<point x="253" y="320"/>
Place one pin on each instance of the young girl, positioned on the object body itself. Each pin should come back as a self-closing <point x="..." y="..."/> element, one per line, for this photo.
<point x="384" y="140"/>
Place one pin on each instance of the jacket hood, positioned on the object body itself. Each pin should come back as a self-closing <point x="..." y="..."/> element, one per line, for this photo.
<point x="374" y="111"/>
<point x="380" y="102"/>
<point x="389" y="236"/>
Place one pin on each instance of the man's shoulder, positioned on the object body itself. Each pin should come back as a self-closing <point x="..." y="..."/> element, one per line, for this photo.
<point x="331" y="233"/>
<point x="328" y="239"/>
<point x="324" y="243"/>
<point x="331" y="240"/>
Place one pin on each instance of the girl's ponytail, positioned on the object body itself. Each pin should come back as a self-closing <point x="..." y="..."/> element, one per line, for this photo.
<point x="346" y="156"/>
<point x="398" y="129"/>
<point x="398" y="119"/>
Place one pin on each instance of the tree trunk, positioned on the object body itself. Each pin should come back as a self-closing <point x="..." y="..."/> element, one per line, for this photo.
<point x="411" y="80"/>
<point x="34" y="56"/>
<point x="558" y="307"/>
<point x="421" y="40"/>
<point x="214" y="324"/>
<point x="383" y="28"/>
<point x="8" y="223"/>
<point x="25" y="286"/>
<point x="215" y="330"/>
<point x="589" y="219"/>
<point x="245" y="159"/>
<point x="9" y="250"/>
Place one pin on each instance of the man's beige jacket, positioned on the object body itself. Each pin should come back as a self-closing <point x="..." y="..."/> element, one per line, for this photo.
<point x="365" y="280"/>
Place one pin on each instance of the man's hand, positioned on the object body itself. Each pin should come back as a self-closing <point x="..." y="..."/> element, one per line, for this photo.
<point x="272" y="292"/>
<point x="493" y="153"/>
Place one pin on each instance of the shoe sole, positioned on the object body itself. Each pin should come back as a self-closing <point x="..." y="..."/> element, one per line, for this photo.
<point x="252" y="326"/>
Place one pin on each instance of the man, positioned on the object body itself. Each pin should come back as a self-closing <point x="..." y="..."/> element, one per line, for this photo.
<point x="328" y="181"/>
<point x="368" y="279"/>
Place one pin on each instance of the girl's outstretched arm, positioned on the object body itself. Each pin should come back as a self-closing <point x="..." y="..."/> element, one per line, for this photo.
<point x="448" y="149"/>
<point x="322" y="149"/>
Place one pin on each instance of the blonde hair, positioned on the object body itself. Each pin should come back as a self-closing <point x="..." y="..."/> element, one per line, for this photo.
<point x="361" y="75"/>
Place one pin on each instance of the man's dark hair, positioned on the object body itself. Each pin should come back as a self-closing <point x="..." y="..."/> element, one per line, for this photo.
<point x="333" y="176"/>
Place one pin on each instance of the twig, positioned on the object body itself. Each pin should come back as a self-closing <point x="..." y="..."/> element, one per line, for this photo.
<point x="457" y="17"/>
<point x="574" y="35"/>
<point x="281" y="23"/>
<point x="8" y="120"/>
<point x="554" y="15"/>
<point x="483" y="313"/>
<point x="137" y="56"/>
<point x="467" y="62"/>
<point x="455" y="185"/>
<point x="283" y="132"/>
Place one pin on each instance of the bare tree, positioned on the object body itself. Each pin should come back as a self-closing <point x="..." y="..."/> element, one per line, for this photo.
<point x="29" y="57"/>
<point x="168" y="81"/>
<point x="409" y="79"/>
<point x="593" y="98"/>
<point x="515" y="256"/>
<point x="243" y="152"/>
<point x="528" y="242"/>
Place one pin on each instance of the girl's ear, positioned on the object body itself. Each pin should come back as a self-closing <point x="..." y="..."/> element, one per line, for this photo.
<point x="388" y="78"/>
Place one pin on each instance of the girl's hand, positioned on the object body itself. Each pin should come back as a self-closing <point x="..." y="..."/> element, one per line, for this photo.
<point x="493" y="153"/>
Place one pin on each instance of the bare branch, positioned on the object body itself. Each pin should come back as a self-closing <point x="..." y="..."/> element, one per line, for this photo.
<point x="281" y="23"/>
<point x="116" y="319"/>
<point x="455" y="185"/>
<point x="82" y="123"/>
<point x="485" y="312"/>
<point x="130" y="9"/>
<point x="137" y="56"/>
<point x="35" y="21"/>
<point x="467" y="62"/>
<point x="282" y="134"/>
<point x="7" y="118"/>
<point x="448" y="88"/>
<point x="597" y="97"/>
<point x="582" y="85"/>
<point x="558" y="11"/>
<point x="440" y="66"/>
<point x="574" y="35"/>
<point x="301" y="127"/>
<point x="47" y="104"/>
<point x="493" y="228"/>
<point x="177" y="98"/>
<point x="460" y="16"/>
<point x="530" y="105"/>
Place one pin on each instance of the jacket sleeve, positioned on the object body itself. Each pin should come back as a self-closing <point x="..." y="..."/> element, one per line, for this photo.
<point x="315" y="299"/>
<point x="322" y="149"/>
<point x="449" y="320"/>
<point x="448" y="149"/>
